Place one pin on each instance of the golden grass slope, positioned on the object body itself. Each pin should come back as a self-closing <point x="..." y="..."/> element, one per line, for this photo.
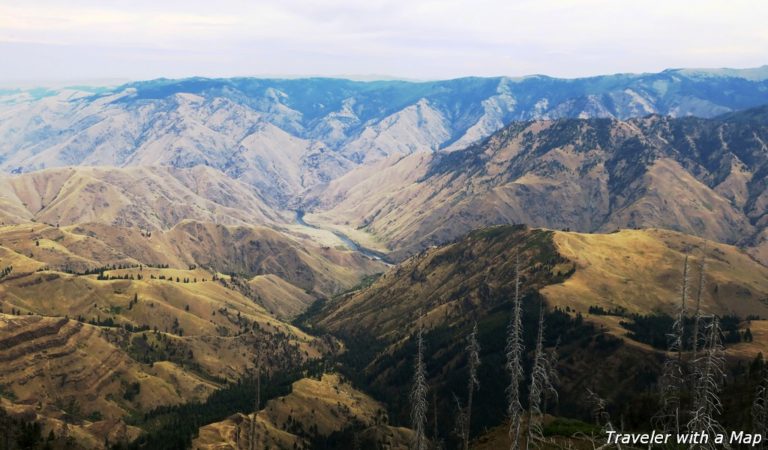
<point x="146" y="197"/>
<point x="638" y="270"/>
<point x="444" y="285"/>
<point x="244" y="250"/>
<point x="279" y="297"/>
<point x="314" y="406"/>
<point x="641" y="271"/>
<point x="72" y="371"/>
<point x="207" y="318"/>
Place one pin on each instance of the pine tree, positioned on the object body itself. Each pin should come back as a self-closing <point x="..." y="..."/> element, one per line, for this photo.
<point x="514" y="364"/>
<point x="419" y="397"/>
<point x="710" y="376"/>
<point x="473" y="353"/>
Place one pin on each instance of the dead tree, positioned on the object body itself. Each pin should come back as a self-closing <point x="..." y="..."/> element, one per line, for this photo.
<point x="709" y="372"/>
<point x="697" y="309"/>
<point x="473" y="354"/>
<point x="541" y="385"/>
<point x="514" y="364"/>
<point x="672" y="379"/>
<point x="601" y="417"/>
<point x="419" y="397"/>
<point x="760" y="410"/>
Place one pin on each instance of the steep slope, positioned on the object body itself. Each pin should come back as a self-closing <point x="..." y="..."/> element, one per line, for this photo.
<point x="281" y="298"/>
<point x="144" y="197"/>
<point x="93" y="336"/>
<point x="639" y="270"/>
<point x="314" y="409"/>
<point x="444" y="291"/>
<point x="261" y="131"/>
<point x="82" y="377"/>
<point x="245" y="251"/>
<point x="699" y="176"/>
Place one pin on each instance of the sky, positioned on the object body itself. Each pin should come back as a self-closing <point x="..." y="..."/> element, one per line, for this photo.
<point x="45" y="41"/>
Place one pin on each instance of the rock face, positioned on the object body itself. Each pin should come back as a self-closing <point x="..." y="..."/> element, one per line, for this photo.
<point x="705" y="177"/>
<point x="286" y="136"/>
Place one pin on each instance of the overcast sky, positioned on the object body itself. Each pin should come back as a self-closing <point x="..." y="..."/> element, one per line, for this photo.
<point x="85" y="40"/>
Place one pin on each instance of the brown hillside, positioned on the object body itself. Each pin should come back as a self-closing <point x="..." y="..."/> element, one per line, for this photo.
<point x="313" y="407"/>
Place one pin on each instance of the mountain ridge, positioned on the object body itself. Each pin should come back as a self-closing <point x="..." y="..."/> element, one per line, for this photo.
<point x="331" y="126"/>
<point x="705" y="177"/>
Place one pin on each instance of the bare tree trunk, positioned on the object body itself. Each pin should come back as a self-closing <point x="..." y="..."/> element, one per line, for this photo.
<point x="710" y="375"/>
<point x="257" y="402"/>
<point x="473" y="353"/>
<point x="672" y="380"/>
<point x="419" y="397"/>
<point x="514" y="364"/>
<point x="760" y="410"/>
<point x="696" y="325"/>
<point x="697" y="311"/>
<point x="541" y="385"/>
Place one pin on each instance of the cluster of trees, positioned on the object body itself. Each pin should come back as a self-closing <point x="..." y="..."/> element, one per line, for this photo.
<point x="18" y="434"/>
<point x="525" y="427"/>
<point x="178" y="279"/>
<point x="6" y="271"/>
<point x="694" y="373"/>
<point x="653" y="329"/>
<point x="688" y="387"/>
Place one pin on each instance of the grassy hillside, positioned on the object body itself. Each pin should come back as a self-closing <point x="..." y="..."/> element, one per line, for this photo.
<point x="445" y="289"/>
<point x="704" y="177"/>
<point x="244" y="251"/>
<point x="315" y="413"/>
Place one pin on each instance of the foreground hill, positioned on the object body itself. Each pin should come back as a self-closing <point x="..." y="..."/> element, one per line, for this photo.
<point x="635" y="270"/>
<point x="705" y="177"/>
<point x="82" y="377"/>
<point x="101" y="325"/>
<point x="328" y="410"/>
<point x="285" y="136"/>
<point x="246" y="251"/>
<point x="445" y="290"/>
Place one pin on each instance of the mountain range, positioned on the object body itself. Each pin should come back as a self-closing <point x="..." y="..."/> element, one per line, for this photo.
<point x="284" y="137"/>
<point x="215" y="263"/>
<point x="705" y="177"/>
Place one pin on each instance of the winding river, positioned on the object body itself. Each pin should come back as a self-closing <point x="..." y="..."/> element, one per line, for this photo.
<point x="354" y="246"/>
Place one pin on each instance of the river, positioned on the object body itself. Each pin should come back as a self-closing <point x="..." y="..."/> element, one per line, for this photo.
<point x="354" y="246"/>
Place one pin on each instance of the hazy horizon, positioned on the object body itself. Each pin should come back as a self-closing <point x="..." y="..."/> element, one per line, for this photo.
<point x="43" y="42"/>
<point x="114" y="82"/>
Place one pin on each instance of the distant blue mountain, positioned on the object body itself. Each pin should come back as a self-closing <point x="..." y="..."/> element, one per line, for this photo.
<point x="284" y="136"/>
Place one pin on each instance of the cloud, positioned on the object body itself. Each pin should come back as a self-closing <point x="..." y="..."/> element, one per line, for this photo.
<point x="410" y="38"/>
